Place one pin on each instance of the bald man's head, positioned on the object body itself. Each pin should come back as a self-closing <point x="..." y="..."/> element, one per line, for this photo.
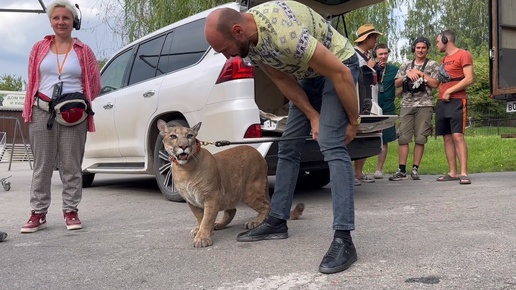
<point x="224" y="31"/>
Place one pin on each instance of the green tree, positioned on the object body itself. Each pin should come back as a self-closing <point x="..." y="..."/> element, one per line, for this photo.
<point x="11" y="83"/>
<point x="144" y="16"/>
<point x="383" y="16"/>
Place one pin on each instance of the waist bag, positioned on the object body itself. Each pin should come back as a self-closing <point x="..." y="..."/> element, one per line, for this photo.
<point x="67" y="109"/>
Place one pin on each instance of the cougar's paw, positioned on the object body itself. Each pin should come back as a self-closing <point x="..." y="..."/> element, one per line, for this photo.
<point x="251" y="225"/>
<point x="194" y="231"/>
<point x="218" y="226"/>
<point x="202" y="242"/>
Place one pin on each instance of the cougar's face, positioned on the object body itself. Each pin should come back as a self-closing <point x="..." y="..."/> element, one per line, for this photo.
<point x="179" y="142"/>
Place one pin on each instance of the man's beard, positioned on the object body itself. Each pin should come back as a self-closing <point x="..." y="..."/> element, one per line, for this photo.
<point x="243" y="48"/>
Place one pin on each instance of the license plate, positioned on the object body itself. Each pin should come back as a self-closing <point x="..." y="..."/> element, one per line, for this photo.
<point x="511" y="106"/>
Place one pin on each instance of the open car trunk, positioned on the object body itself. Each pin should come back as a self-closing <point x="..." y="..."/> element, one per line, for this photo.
<point x="502" y="40"/>
<point x="273" y="107"/>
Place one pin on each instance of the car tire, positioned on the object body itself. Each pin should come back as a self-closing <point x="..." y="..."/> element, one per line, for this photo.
<point x="313" y="179"/>
<point x="87" y="179"/>
<point x="162" y="168"/>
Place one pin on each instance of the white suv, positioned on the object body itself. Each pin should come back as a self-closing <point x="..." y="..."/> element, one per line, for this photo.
<point x="174" y="75"/>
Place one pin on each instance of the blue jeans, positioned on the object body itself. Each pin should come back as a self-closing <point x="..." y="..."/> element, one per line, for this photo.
<point x="332" y="131"/>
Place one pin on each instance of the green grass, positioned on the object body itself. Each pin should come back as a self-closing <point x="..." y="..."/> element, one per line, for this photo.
<point x="486" y="154"/>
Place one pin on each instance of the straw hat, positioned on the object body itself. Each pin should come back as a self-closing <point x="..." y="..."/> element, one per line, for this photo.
<point x="364" y="30"/>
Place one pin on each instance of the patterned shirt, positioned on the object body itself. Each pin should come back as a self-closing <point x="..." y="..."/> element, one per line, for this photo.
<point x="89" y="68"/>
<point x="419" y="99"/>
<point x="288" y="33"/>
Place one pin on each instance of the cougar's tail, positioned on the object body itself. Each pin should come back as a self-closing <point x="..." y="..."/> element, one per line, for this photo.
<point x="297" y="212"/>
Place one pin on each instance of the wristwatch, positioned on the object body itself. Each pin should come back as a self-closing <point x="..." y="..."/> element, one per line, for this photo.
<point x="357" y="122"/>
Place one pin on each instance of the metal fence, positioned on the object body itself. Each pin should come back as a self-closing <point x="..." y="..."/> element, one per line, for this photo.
<point x="490" y="120"/>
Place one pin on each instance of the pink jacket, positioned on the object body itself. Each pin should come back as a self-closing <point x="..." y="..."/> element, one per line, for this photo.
<point x="90" y="74"/>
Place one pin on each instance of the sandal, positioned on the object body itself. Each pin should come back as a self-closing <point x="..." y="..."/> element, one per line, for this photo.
<point x="464" y="180"/>
<point x="447" y="177"/>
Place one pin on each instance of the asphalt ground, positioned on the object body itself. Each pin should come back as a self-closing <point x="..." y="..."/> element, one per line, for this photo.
<point x="409" y="235"/>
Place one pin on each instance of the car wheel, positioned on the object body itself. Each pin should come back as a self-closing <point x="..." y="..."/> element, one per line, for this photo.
<point x="313" y="179"/>
<point x="87" y="179"/>
<point x="162" y="168"/>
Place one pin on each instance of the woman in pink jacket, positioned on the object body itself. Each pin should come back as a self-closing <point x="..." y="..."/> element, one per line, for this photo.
<point x="58" y="65"/>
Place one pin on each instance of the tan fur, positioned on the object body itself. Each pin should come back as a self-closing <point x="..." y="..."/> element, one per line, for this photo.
<point x="210" y="183"/>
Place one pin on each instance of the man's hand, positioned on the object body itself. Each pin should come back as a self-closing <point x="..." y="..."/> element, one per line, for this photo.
<point x="351" y="132"/>
<point x="414" y="74"/>
<point x="446" y="96"/>
<point x="314" y="123"/>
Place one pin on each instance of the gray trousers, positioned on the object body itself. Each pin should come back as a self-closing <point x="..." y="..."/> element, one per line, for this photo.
<point x="61" y="147"/>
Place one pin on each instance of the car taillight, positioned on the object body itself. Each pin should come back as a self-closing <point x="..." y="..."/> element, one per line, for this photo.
<point x="254" y="131"/>
<point x="235" y="68"/>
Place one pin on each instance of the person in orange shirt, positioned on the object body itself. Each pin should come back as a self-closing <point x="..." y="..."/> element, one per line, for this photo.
<point x="456" y="74"/>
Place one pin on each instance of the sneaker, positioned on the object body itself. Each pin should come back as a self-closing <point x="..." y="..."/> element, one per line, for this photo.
<point x="378" y="174"/>
<point x="264" y="231"/>
<point x="415" y="174"/>
<point x="36" y="222"/>
<point x="339" y="257"/>
<point x="398" y="176"/>
<point x="366" y="179"/>
<point x="357" y="182"/>
<point x="72" y="220"/>
<point x="2" y="236"/>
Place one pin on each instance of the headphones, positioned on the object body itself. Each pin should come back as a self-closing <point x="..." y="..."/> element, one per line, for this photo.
<point x="418" y="40"/>
<point x="444" y="39"/>
<point x="77" y="20"/>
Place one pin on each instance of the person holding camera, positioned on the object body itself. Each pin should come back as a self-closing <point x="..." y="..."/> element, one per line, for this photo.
<point x="367" y="35"/>
<point x="386" y="96"/>
<point x="418" y="78"/>
<point x="450" y="113"/>
<point x="58" y="65"/>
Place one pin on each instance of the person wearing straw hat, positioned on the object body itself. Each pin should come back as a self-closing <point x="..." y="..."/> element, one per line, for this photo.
<point x="367" y="36"/>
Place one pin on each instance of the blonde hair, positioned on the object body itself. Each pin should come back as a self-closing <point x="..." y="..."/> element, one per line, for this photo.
<point x="61" y="3"/>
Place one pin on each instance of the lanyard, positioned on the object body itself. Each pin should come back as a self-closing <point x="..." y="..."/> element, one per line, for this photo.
<point x="383" y="74"/>
<point x="60" y="66"/>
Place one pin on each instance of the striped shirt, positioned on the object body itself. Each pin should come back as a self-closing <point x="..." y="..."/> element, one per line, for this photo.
<point x="90" y="73"/>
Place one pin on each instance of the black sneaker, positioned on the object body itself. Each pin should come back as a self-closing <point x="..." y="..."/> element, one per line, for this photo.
<point x="2" y="236"/>
<point x="398" y="176"/>
<point x="339" y="257"/>
<point x="264" y="231"/>
<point x="415" y="174"/>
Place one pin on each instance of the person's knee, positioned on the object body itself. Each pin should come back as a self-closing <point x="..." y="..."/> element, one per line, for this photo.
<point x="404" y="139"/>
<point x="421" y="139"/>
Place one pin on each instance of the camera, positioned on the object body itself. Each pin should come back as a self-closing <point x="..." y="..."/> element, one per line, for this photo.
<point x="414" y="87"/>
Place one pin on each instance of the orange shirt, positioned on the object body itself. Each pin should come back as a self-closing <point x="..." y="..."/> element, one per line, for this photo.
<point x="454" y="64"/>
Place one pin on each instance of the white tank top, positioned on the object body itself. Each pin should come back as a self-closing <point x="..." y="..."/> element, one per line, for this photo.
<point x="71" y="75"/>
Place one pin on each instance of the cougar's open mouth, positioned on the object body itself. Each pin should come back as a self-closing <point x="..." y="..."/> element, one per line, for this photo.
<point x="182" y="157"/>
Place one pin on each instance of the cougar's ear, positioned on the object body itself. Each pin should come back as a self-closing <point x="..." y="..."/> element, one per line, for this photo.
<point x="197" y="127"/>
<point x="162" y="126"/>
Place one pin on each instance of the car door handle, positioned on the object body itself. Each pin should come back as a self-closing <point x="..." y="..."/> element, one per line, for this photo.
<point x="108" y="106"/>
<point x="149" y="94"/>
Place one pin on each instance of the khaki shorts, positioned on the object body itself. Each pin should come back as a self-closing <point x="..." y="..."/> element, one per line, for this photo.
<point x="417" y="122"/>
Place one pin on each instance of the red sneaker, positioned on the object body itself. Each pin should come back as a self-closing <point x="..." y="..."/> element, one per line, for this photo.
<point x="72" y="220"/>
<point x="37" y="221"/>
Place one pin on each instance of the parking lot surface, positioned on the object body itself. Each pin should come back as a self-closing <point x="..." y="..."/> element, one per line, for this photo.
<point x="409" y="235"/>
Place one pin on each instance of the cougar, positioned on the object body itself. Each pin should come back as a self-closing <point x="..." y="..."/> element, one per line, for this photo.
<point x="210" y="183"/>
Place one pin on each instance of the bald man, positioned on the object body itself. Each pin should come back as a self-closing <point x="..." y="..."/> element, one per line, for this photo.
<point x="316" y="68"/>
